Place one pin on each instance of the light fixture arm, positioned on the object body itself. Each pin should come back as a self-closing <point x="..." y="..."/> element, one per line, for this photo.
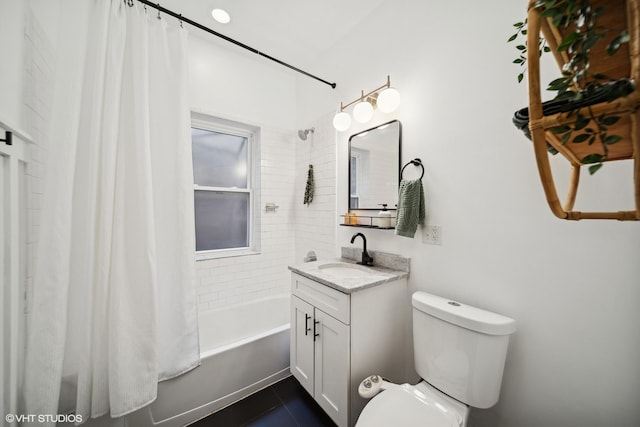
<point x="363" y="96"/>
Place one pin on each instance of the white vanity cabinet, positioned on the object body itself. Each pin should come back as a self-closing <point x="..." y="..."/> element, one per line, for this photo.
<point x="319" y="355"/>
<point x="339" y="338"/>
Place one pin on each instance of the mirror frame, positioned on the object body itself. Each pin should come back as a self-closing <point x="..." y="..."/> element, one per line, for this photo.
<point x="393" y="208"/>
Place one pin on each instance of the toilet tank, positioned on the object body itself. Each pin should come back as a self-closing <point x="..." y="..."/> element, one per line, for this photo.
<point x="459" y="349"/>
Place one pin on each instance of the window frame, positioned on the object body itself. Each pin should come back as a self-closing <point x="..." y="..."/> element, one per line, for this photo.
<point x="215" y="124"/>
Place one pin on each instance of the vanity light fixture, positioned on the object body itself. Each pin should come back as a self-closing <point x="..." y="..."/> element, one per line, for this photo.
<point x="363" y="111"/>
<point x="386" y="101"/>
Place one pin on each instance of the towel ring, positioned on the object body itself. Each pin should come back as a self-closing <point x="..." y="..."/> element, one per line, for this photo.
<point x="415" y="162"/>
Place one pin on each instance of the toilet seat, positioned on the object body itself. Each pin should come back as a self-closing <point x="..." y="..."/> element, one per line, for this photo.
<point x="407" y="406"/>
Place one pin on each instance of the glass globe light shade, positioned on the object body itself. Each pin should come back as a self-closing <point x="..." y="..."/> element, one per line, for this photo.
<point x="362" y="112"/>
<point x="342" y="121"/>
<point x="388" y="100"/>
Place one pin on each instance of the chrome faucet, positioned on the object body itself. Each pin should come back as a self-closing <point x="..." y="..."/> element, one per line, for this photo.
<point x="366" y="259"/>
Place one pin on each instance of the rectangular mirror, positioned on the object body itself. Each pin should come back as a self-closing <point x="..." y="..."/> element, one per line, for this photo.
<point x="374" y="167"/>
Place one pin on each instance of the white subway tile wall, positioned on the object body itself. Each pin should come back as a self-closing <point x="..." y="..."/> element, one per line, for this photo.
<point x="316" y="223"/>
<point x="39" y="63"/>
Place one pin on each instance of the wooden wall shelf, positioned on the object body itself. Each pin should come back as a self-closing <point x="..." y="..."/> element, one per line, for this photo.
<point x="624" y="64"/>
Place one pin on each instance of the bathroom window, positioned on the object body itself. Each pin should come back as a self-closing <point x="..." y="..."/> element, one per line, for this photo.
<point x="354" y="199"/>
<point x="224" y="178"/>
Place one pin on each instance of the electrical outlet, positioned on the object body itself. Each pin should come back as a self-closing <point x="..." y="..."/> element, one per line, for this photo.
<point x="432" y="234"/>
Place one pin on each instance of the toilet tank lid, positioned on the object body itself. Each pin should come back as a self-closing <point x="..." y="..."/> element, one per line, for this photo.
<point x="463" y="315"/>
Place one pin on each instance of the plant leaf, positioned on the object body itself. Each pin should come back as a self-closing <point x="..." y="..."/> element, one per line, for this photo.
<point x="610" y="120"/>
<point x="564" y="96"/>
<point x="558" y="20"/>
<point x="615" y="44"/>
<point x="567" y="42"/>
<point x="591" y="40"/>
<point x="613" y="47"/>
<point x="594" y="168"/>
<point x="581" y="138"/>
<point x="612" y="139"/>
<point x="581" y="122"/>
<point x="592" y="158"/>
<point x="557" y="82"/>
<point x="599" y="11"/>
<point x="560" y="129"/>
<point x="549" y="12"/>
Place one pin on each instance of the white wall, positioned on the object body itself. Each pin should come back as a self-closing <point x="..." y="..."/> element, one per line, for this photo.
<point x="573" y="287"/>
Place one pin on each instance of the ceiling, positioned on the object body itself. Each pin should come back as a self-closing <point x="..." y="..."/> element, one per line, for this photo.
<point x="293" y="31"/>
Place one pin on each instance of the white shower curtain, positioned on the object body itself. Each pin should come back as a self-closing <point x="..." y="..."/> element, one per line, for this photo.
<point x="113" y="302"/>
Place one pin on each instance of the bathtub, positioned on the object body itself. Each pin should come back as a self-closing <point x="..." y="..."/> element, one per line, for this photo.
<point x="243" y="348"/>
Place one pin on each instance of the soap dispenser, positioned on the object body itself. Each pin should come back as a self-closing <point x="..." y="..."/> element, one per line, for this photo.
<point x="384" y="217"/>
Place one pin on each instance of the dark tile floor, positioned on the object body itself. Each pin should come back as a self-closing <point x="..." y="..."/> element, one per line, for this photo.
<point x="284" y="404"/>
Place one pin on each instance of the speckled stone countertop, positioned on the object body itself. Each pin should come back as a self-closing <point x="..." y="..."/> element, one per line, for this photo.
<point x="374" y="276"/>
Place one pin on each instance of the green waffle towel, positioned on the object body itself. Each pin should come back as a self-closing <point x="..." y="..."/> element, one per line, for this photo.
<point x="411" y="211"/>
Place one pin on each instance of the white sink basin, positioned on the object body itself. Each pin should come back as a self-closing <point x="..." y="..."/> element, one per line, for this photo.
<point x="346" y="270"/>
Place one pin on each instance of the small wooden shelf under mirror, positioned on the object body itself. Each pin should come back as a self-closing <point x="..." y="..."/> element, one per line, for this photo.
<point x="366" y="221"/>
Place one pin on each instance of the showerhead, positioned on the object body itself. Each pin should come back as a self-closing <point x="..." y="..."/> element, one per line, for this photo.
<point x="302" y="134"/>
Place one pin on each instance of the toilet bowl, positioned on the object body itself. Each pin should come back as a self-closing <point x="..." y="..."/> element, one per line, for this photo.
<point x="408" y="405"/>
<point x="459" y="353"/>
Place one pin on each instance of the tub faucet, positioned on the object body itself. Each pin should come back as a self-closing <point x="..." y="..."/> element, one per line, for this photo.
<point x="366" y="259"/>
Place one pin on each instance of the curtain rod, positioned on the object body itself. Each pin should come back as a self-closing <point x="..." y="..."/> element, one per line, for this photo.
<point x="229" y="39"/>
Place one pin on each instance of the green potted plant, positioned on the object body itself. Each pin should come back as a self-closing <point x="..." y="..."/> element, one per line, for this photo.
<point x="595" y="115"/>
<point x="583" y="35"/>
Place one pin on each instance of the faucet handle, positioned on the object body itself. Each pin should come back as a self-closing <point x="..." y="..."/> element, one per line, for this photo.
<point x="367" y="259"/>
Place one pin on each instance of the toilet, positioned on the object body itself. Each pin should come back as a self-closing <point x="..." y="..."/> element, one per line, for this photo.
<point x="459" y="353"/>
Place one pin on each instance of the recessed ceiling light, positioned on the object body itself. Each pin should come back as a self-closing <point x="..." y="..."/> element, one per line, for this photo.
<point x="221" y="15"/>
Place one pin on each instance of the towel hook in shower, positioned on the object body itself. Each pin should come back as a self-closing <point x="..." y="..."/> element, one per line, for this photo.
<point x="415" y="162"/>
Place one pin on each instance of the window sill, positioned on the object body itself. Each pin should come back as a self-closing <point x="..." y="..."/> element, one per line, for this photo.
<point x="205" y="256"/>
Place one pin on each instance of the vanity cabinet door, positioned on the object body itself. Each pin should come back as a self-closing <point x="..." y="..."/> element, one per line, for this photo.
<point x="332" y="367"/>
<point x="301" y="350"/>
